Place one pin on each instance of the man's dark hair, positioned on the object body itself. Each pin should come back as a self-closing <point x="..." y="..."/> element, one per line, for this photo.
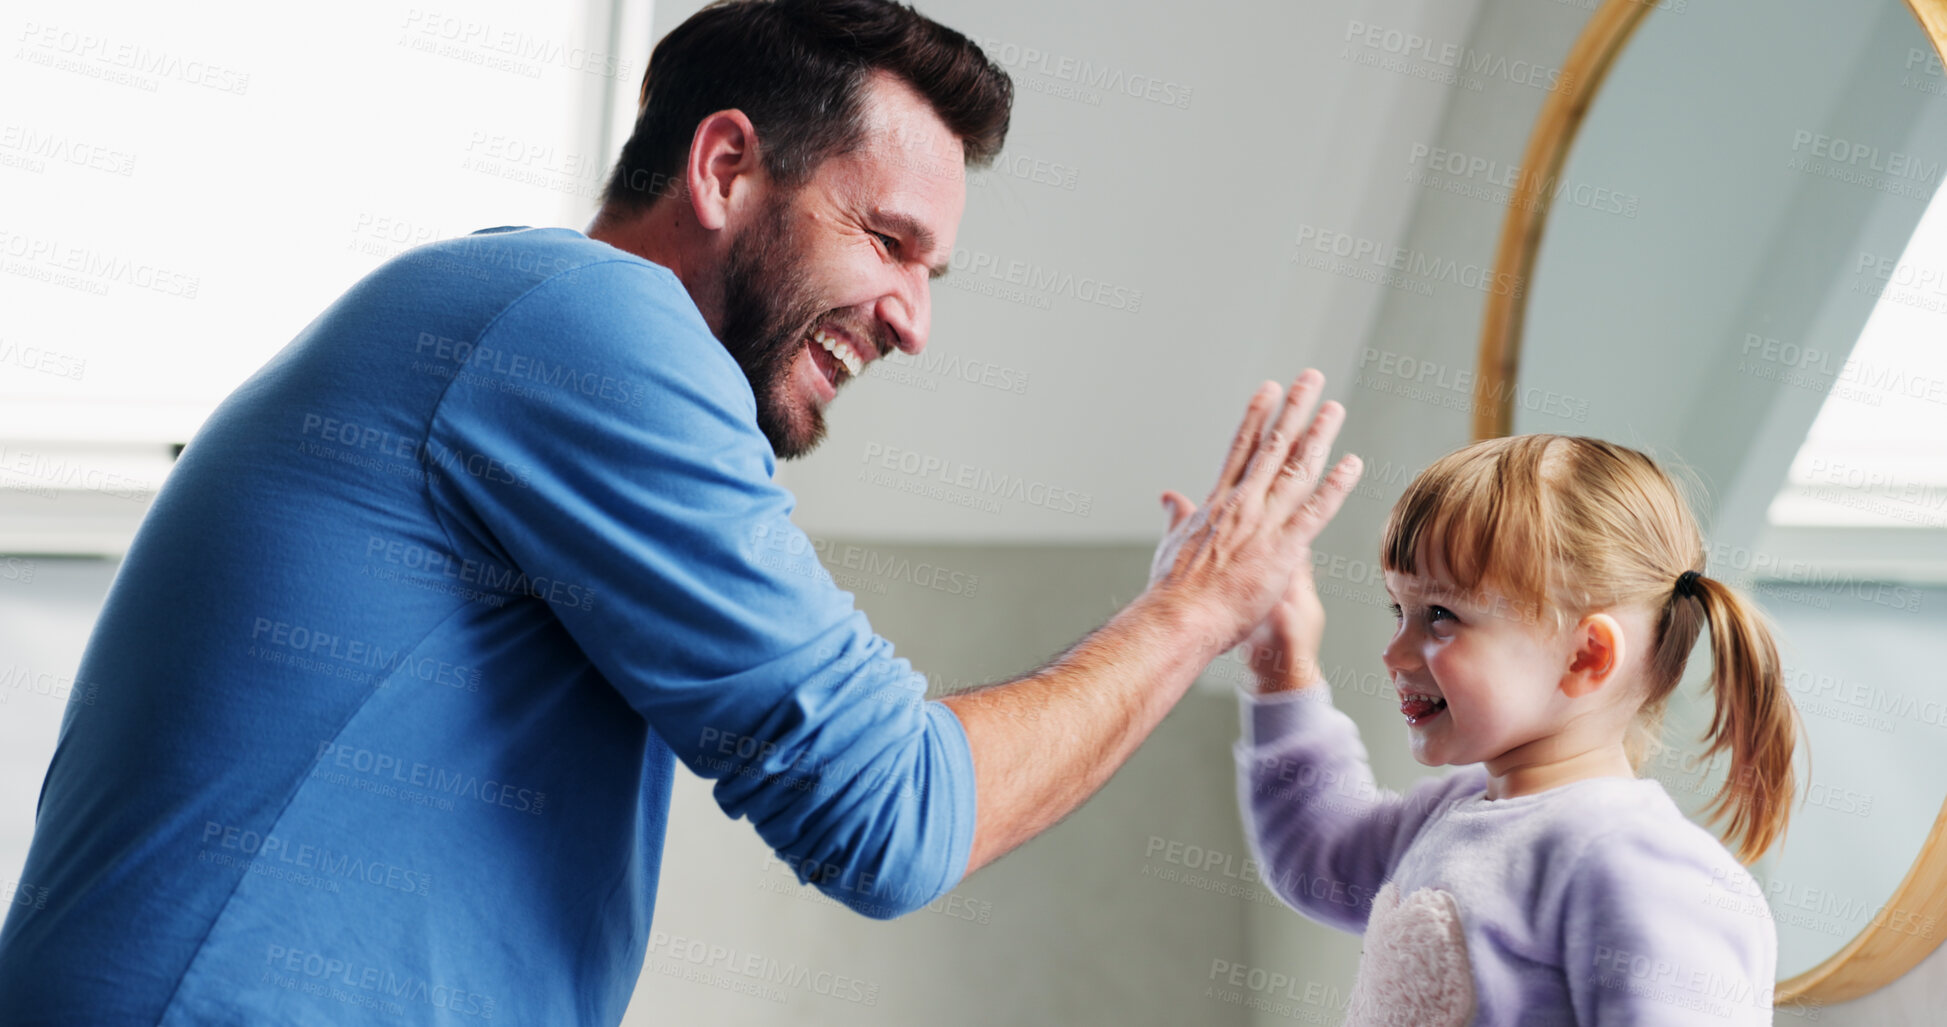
<point x="798" y="70"/>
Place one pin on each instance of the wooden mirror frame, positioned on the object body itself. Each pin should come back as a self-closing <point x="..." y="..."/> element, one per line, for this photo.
<point x="1878" y="955"/>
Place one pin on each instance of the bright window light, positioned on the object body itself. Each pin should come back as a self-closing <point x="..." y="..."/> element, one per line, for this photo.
<point x="187" y="185"/>
<point x="1874" y="456"/>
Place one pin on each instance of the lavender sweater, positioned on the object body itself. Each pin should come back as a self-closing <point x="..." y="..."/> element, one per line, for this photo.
<point x="1595" y="903"/>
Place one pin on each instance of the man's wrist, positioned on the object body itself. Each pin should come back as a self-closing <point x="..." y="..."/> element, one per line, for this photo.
<point x="1192" y="625"/>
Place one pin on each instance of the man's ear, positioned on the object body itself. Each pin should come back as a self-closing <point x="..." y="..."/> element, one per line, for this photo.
<point x="725" y="168"/>
<point x="1597" y="657"/>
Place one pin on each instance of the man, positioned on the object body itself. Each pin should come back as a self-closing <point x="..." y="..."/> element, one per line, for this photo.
<point x="393" y="682"/>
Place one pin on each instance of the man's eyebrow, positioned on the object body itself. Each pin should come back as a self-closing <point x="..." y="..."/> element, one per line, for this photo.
<point x="904" y="224"/>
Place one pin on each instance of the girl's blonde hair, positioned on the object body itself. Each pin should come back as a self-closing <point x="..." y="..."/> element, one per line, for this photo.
<point x="1566" y="525"/>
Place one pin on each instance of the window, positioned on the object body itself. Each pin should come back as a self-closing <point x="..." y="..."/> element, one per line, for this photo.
<point x="1874" y="456"/>
<point x="188" y="185"/>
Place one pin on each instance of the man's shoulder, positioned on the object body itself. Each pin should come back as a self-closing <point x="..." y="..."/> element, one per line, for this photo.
<point x="514" y="256"/>
<point x="556" y="304"/>
<point x="560" y="288"/>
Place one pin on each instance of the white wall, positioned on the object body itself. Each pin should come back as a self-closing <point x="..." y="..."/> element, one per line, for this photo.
<point x="1196" y="207"/>
<point x="1912" y="1001"/>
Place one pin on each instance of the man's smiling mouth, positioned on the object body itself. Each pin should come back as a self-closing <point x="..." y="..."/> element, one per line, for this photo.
<point x="833" y="354"/>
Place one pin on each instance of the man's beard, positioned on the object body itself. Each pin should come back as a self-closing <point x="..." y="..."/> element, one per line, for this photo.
<point x="768" y="309"/>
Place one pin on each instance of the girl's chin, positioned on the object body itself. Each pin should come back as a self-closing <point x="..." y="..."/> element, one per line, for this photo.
<point x="1428" y="754"/>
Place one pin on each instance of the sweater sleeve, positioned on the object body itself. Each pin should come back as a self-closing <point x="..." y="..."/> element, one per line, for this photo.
<point x="1664" y="928"/>
<point x="1324" y="832"/>
<point x="604" y="446"/>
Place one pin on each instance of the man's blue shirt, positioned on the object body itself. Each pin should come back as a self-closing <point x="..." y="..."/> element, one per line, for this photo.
<point x="391" y="686"/>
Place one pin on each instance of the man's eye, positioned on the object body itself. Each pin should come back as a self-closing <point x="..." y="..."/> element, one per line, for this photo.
<point x="887" y="241"/>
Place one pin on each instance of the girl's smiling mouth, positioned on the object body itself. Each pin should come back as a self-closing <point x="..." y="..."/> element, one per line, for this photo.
<point x="1420" y="707"/>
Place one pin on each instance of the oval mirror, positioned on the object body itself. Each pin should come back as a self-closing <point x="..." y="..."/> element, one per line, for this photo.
<point x="1740" y="265"/>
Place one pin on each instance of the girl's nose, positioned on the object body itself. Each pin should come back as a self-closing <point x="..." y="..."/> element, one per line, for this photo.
<point x="1399" y="653"/>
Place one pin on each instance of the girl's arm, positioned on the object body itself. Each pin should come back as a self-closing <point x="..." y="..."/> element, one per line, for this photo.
<point x="1324" y="833"/>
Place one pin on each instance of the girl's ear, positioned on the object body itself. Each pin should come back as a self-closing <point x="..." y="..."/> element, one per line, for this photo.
<point x="1597" y="657"/>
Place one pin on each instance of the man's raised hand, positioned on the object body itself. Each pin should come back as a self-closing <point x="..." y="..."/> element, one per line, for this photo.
<point x="1232" y="561"/>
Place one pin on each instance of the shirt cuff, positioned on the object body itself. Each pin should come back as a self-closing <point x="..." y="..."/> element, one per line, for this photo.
<point x="1278" y="714"/>
<point x="966" y="805"/>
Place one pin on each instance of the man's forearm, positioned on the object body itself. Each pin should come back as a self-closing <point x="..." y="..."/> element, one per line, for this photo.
<point x="1044" y="743"/>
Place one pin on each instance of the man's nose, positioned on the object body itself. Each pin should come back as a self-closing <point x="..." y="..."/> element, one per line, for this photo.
<point x="908" y="310"/>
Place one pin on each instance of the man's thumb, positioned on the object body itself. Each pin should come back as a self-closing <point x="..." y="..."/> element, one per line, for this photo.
<point x="1178" y="505"/>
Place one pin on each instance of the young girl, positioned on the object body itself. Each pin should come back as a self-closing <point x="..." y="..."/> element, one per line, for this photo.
<point x="1547" y="591"/>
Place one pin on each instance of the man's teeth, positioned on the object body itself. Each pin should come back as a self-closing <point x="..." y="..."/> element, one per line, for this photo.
<point x="840" y="349"/>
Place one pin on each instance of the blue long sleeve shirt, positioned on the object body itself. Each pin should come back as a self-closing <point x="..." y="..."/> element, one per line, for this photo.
<point x="391" y="686"/>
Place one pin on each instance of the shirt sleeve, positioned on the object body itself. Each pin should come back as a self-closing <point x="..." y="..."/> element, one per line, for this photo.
<point x="609" y="441"/>
<point x="1324" y="833"/>
<point x="1659" y="930"/>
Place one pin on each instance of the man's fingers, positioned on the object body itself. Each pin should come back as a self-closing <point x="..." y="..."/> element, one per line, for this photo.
<point x="1323" y="504"/>
<point x="1274" y="448"/>
<point x="1306" y="462"/>
<point x="1244" y="443"/>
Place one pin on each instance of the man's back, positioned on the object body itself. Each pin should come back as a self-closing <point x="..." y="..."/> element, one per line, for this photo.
<point x="375" y="685"/>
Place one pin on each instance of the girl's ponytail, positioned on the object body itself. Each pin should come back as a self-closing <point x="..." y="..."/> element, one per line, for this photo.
<point x="1753" y="718"/>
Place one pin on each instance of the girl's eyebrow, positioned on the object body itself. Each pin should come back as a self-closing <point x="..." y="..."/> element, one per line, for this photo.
<point x="1427" y="589"/>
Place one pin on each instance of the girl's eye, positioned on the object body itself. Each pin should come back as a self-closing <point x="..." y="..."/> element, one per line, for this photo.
<point x="1433" y="613"/>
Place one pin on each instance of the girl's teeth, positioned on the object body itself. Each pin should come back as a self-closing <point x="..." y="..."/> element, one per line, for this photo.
<point x="1418" y="706"/>
<point x="839" y="349"/>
